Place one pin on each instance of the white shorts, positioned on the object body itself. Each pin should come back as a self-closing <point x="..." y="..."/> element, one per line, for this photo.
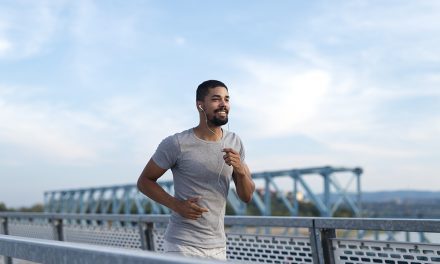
<point x="190" y="251"/>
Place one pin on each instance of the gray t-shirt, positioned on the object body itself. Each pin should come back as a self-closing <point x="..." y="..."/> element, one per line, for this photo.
<point x="196" y="165"/>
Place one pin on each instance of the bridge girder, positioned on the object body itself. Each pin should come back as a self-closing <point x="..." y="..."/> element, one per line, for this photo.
<point x="126" y="199"/>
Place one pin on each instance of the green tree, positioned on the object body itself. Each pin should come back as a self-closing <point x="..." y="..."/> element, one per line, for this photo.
<point x="3" y="207"/>
<point x="344" y="212"/>
<point x="36" y="208"/>
<point x="308" y="209"/>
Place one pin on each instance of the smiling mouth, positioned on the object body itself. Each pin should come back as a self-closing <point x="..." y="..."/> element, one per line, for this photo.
<point x="222" y="113"/>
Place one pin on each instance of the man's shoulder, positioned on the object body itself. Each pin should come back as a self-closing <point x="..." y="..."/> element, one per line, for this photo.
<point x="232" y="139"/>
<point x="229" y="135"/>
<point x="179" y="136"/>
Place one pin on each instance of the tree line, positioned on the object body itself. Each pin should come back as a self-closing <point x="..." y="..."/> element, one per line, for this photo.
<point x="36" y="208"/>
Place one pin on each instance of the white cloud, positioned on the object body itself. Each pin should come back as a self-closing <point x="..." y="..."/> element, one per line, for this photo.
<point x="278" y="98"/>
<point x="5" y="46"/>
<point x="116" y="126"/>
<point x="142" y="123"/>
<point x="26" y="29"/>
<point x="43" y="130"/>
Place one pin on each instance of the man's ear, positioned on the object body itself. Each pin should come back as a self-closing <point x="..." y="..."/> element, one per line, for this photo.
<point x="199" y="106"/>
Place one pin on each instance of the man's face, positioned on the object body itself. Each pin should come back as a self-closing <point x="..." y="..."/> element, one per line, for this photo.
<point x="216" y="106"/>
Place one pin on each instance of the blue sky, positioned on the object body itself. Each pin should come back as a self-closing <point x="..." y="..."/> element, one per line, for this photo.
<point x="89" y="88"/>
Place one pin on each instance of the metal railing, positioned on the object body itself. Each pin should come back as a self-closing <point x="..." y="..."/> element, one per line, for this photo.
<point x="46" y="251"/>
<point x="251" y="239"/>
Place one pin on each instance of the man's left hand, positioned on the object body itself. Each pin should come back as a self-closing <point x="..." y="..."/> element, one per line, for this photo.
<point x="232" y="158"/>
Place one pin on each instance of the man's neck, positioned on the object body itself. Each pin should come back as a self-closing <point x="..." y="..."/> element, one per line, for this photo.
<point x="209" y="134"/>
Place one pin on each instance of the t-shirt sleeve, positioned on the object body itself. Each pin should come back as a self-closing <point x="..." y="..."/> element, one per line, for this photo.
<point x="167" y="153"/>
<point x="242" y="151"/>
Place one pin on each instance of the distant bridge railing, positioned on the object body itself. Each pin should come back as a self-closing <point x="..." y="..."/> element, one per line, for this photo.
<point x="251" y="239"/>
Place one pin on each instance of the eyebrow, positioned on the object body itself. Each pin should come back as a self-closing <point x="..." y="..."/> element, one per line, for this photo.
<point x="219" y="96"/>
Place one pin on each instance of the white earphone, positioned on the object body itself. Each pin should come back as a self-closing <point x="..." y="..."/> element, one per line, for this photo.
<point x="223" y="164"/>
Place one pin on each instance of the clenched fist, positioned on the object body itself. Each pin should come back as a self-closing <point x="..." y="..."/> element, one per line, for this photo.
<point x="232" y="158"/>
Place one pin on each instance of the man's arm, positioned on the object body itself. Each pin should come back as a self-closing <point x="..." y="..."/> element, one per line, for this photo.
<point x="241" y="174"/>
<point x="147" y="184"/>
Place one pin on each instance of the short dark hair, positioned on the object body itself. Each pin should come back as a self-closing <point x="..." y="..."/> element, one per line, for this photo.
<point x="203" y="88"/>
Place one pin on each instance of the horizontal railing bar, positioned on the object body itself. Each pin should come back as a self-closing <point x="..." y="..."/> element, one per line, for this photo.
<point x="271" y="221"/>
<point x="95" y="217"/>
<point x="27" y="215"/>
<point x="229" y="220"/>
<point x="385" y="224"/>
<point x="410" y="225"/>
<point x="48" y="251"/>
<point x="116" y="217"/>
<point x="365" y="241"/>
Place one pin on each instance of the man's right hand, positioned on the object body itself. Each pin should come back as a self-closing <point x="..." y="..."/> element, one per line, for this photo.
<point x="190" y="209"/>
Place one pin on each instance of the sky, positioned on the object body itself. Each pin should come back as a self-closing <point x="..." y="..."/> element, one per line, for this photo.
<point x="88" y="89"/>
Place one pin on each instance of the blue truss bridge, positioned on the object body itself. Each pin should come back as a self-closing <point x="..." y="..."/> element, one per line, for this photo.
<point x="286" y="185"/>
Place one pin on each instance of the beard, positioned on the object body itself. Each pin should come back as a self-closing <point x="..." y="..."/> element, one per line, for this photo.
<point x="219" y="122"/>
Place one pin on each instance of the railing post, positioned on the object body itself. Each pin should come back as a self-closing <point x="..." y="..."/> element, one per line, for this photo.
<point x="315" y="244"/>
<point x="149" y="236"/>
<point x="143" y="233"/>
<point x="4" y="222"/>
<point x="326" y="243"/>
<point x="57" y="224"/>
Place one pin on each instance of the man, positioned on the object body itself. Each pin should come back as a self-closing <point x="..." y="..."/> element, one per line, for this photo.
<point x="203" y="160"/>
